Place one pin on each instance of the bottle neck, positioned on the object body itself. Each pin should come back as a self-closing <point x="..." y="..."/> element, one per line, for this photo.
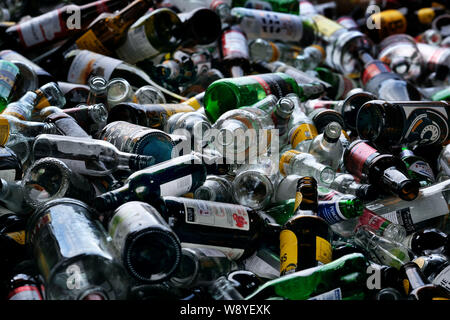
<point x="413" y="276"/>
<point x="400" y="184"/>
<point x="132" y="12"/>
<point x="113" y="199"/>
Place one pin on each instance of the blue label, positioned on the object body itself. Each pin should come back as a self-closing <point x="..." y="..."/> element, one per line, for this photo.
<point x="8" y="74"/>
<point x="329" y="211"/>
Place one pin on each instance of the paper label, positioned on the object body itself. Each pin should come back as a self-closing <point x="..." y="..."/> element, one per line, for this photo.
<point x="326" y="26"/>
<point x="357" y="158"/>
<point x="18" y="237"/>
<point x="8" y="74"/>
<point x="443" y="278"/>
<point x="41" y="29"/>
<point x="87" y="64"/>
<point x="89" y="41"/>
<point x="231" y="253"/>
<point x="176" y="187"/>
<point x="323" y="250"/>
<point x="25" y="293"/>
<point x="422" y="168"/>
<point x="234" y="42"/>
<point x="303" y="132"/>
<point x="215" y="214"/>
<point x="286" y="159"/>
<point x="288" y="252"/>
<point x="137" y="47"/>
<point x="330" y="212"/>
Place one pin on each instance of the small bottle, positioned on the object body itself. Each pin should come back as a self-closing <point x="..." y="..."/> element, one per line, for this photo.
<point x="84" y="151"/>
<point x="216" y="188"/>
<point x="228" y="94"/>
<point x="49" y="178"/>
<point x="326" y="147"/>
<point x="417" y="287"/>
<point x="305" y="238"/>
<point x="346" y="183"/>
<point x="417" y="167"/>
<point x="436" y="268"/>
<point x="175" y="177"/>
<point x="234" y="52"/>
<point x="200" y="267"/>
<point x="311" y="57"/>
<point x="381" y="226"/>
<point x="383" y="170"/>
<point x="305" y="164"/>
<point x="148" y="248"/>
<point x="383" y="250"/>
<point x="136" y="139"/>
<point x="81" y="264"/>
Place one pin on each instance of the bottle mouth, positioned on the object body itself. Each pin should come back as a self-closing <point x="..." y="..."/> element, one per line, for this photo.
<point x="98" y="84"/>
<point x="409" y="190"/>
<point x="204" y="193"/>
<point x="119" y="90"/>
<point x="187" y="270"/>
<point x="326" y="176"/>
<point x="332" y="132"/>
<point x="370" y="120"/>
<point x="253" y="189"/>
<point x="150" y="95"/>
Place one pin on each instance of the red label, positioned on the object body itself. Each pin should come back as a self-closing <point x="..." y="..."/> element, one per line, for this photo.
<point x="263" y="84"/>
<point x="25" y="293"/>
<point x="234" y="42"/>
<point x="371" y="219"/>
<point x="373" y="70"/>
<point x="213" y="6"/>
<point x="357" y="157"/>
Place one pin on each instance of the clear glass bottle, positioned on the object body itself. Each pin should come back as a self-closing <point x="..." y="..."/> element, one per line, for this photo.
<point x="265" y="50"/>
<point x="346" y="183"/>
<point x="119" y="90"/>
<point x="223" y="289"/>
<point x="311" y="57"/>
<point x="77" y="260"/>
<point x="216" y="188"/>
<point x="83" y="151"/>
<point x="327" y="148"/>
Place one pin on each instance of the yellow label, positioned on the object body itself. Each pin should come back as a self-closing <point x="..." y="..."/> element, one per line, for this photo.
<point x="298" y="200"/>
<point x="193" y="102"/>
<point x="426" y="15"/>
<point x="440" y="298"/>
<point x="275" y="52"/>
<point x="4" y="130"/>
<point x="419" y="261"/>
<point x="188" y="195"/>
<point x="326" y="26"/>
<point x="406" y="285"/>
<point x="288" y="251"/>
<point x="323" y="250"/>
<point x="13" y="114"/>
<point x="303" y="132"/>
<point x="18" y="237"/>
<point x="286" y="159"/>
<point x="89" y="41"/>
<point x="391" y="22"/>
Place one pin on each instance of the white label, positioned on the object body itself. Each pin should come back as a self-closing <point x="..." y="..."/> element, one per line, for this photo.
<point x="443" y="278"/>
<point x="335" y="294"/>
<point x="137" y="47"/>
<point x="261" y="268"/>
<point x="258" y="4"/>
<point x="26" y="293"/>
<point x="422" y="168"/>
<point x="221" y="215"/>
<point x="176" y="187"/>
<point x="88" y="63"/>
<point x="40" y="29"/>
<point x="231" y="253"/>
<point x="234" y="42"/>
<point x="8" y="175"/>
<point x="6" y="15"/>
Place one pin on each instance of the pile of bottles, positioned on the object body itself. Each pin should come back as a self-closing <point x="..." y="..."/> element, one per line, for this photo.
<point x="206" y="150"/>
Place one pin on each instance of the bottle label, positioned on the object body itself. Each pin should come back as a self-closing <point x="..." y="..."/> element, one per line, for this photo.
<point x="443" y="278"/>
<point x="88" y="63"/>
<point x="234" y="43"/>
<point x="330" y="212"/>
<point x="288" y="252"/>
<point x="176" y="187"/>
<point x="8" y="74"/>
<point x="303" y="132"/>
<point x="274" y="84"/>
<point x="374" y="69"/>
<point x="42" y="28"/>
<point x="221" y="215"/>
<point x="390" y="22"/>
<point x="323" y="250"/>
<point x="286" y="159"/>
<point x="137" y="47"/>
<point x="357" y="158"/>
<point x="423" y="169"/>
<point x="25" y="293"/>
<point x="18" y="237"/>
<point x="326" y="26"/>
<point x="335" y="294"/>
<point x="4" y="134"/>
<point x="126" y="222"/>
<point x="258" y="4"/>
<point x="372" y="220"/>
<point x="231" y="253"/>
<point x="90" y="41"/>
<point x="426" y="15"/>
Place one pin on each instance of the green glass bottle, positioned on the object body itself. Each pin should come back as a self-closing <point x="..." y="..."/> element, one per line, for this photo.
<point x="9" y="73"/>
<point x="231" y="93"/>
<point x="281" y="212"/>
<point x="417" y="167"/>
<point x="288" y="6"/>
<point x="346" y="274"/>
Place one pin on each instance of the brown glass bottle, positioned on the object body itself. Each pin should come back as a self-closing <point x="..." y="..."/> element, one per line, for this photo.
<point x="384" y="171"/>
<point x="417" y="287"/>
<point x="305" y="240"/>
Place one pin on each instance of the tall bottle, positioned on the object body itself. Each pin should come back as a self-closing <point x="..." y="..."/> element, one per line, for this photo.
<point x="234" y="52"/>
<point x="152" y="34"/>
<point x="57" y="24"/>
<point x="417" y="287"/>
<point x="106" y="33"/>
<point x="383" y="170"/>
<point x="327" y="147"/>
<point x="77" y="261"/>
<point x="174" y="177"/>
<point x="228" y="94"/>
<point x="233" y="229"/>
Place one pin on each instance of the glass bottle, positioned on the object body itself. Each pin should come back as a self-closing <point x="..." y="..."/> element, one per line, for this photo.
<point x="436" y="60"/>
<point x="228" y="94"/>
<point x="200" y="267"/>
<point x="221" y="7"/>
<point x="305" y="164"/>
<point x="131" y="138"/>
<point x="346" y="183"/>
<point x="216" y="188"/>
<point x="74" y="94"/>
<point x="384" y="171"/>
<point x="77" y="260"/>
<point x="83" y="151"/>
<point x="193" y="124"/>
<point x="152" y="34"/>
<point x="417" y="167"/>
<point x="175" y="177"/>
<point x="427" y="241"/>
<point x="381" y="226"/>
<point x="436" y="269"/>
<point x="201" y="26"/>
<point x="24" y="284"/>
<point x="153" y="116"/>
<point x="268" y="51"/>
<point x="149" y="250"/>
<point x="417" y="287"/>
<point x="10" y="73"/>
<point x="346" y="274"/>
<point x="326" y="147"/>
<point x="311" y="57"/>
<point x="223" y="289"/>
<point x="11" y="197"/>
<point x="234" y="52"/>
<point x="98" y="91"/>
<point x="150" y="95"/>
